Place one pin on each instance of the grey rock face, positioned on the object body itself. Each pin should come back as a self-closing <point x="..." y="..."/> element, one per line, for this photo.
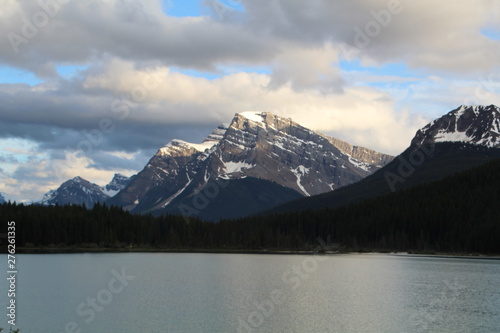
<point x="255" y="144"/>
<point x="277" y="149"/>
<point x="478" y="124"/>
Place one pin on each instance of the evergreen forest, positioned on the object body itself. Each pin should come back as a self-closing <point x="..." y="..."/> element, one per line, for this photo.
<point x="458" y="214"/>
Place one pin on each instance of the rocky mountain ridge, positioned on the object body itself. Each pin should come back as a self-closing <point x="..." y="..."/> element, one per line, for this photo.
<point x="257" y="145"/>
<point x="80" y="191"/>
<point x="461" y="139"/>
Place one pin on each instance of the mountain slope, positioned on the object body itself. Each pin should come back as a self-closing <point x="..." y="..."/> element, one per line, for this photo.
<point x="461" y="139"/>
<point x="80" y="191"/>
<point x="458" y="213"/>
<point x="258" y="145"/>
<point x="75" y="191"/>
<point x="231" y="199"/>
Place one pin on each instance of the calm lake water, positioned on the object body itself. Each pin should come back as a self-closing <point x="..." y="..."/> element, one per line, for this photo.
<point x="144" y="292"/>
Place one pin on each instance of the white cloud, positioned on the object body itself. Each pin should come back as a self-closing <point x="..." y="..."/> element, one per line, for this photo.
<point x="314" y="68"/>
<point x="130" y="46"/>
<point x="183" y="97"/>
<point x="39" y="174"/>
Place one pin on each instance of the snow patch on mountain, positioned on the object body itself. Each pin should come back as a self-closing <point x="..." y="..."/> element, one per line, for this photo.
<point x="255" y="116"/>
<point x="231" y="168"/>
<point x="171" y="198"/>
<point x="118" y="183"/>
<point x="359" y="164"/>
<point x="299" y="172"/>
<point x="234" y="167"/>
<point x="474" y="124"/>
<point x="181" y="145"/>
<point x="445" y="136"/>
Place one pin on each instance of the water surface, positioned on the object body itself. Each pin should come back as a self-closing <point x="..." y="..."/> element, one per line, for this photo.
<point x="145" y="292"/>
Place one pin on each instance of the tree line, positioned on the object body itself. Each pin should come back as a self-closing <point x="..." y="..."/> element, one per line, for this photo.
<point x="460" y="214"/>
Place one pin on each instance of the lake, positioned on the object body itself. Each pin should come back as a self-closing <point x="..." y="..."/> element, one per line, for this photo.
<point x="163" y="292"/>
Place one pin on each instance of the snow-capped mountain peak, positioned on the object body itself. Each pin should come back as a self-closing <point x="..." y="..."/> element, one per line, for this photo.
<point x="80" y="191"/>
<point x="255" y="146"/>
<point x="118" y="183"/>
<point x="475" y="124"/>
<point x="177" y="147"/>
<point x="75" y="191"/>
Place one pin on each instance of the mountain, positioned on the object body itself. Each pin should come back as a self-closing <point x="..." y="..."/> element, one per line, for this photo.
<point x="459" y="140"/>
<point x="258" y="161"/>
<point x="80" y="191"/>
<point x="75" y="191"/>
<point x="2" y="198"/>
<point x="478" y="125"/>
<point x="118" y="183"/>
<point x="456" y="214"/>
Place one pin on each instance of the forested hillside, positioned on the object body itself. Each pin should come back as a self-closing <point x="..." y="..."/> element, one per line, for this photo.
<point x="460" y="213"/>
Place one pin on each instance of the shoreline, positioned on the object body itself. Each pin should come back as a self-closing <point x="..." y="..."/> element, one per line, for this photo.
<point x="80" y="250"/>
<point x="76" y="250"/>
<point x="449" y="256"/>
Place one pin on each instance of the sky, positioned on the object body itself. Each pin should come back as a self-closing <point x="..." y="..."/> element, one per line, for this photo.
<point x="95" y="87"/>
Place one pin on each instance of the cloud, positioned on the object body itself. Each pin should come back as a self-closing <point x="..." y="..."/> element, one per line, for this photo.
<point x="120" y="106"/>
<point x="39" y="174"/>
<point x="127" y="101"/>
<point x="80" y="31"/>
<point x="444" y="37"/>
<point x="65" y="118"/>
<point x="315" y="68"/>
<point x="434" y="36"/>
<point x="175" y="98"/>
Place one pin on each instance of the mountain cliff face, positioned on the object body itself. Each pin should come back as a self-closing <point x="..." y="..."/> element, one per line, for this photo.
<point x="266" y="146"/>
<point x="475" y="124"/>
<point x="465" y="137"/>
<point x="285" y="158"/>
<point x="80" y="191"/>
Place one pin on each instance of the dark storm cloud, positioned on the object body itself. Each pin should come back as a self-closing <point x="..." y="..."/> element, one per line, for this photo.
<point x="420" y="33"/>
<point x="84" y="133"/>
<point x="138" y="31"/>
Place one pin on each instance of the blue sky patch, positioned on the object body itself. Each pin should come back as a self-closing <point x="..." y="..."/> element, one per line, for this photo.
<point x="68" y="72"/>
<point x="493" y="34"/>
<point x="14" y="75"/>
<point x="391" y="69"/>
<point x="182" y="8"/>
